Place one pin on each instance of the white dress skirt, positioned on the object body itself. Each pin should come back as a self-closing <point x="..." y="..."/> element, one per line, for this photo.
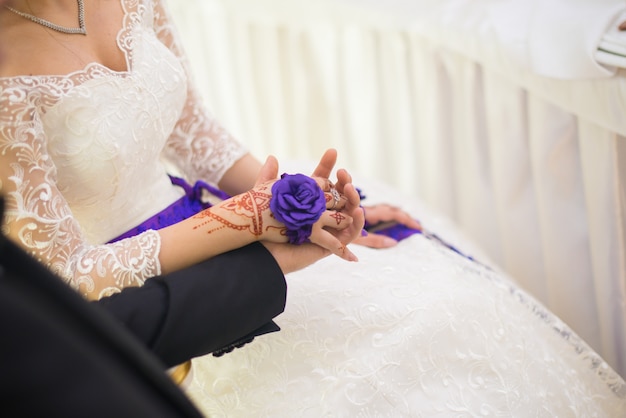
<point x="416" y="330"/>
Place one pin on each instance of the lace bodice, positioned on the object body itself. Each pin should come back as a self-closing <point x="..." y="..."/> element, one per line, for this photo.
<point x="83" y="156"/>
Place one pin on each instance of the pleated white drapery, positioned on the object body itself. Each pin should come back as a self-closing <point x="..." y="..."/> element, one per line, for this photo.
<point x="532" y="168"/>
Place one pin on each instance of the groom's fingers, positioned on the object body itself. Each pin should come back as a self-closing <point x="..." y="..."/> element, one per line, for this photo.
<point x="343" y="178"/>
<point x="326" y="165"/>
<point x="269" y="171"/>
<point x="352" y="197"/>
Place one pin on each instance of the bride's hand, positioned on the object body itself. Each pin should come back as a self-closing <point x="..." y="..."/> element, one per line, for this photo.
<point x="338" y="228"/>
<point x="295" y="257"/>
<point x="385" y="213"/>
<point x="343" y="202"/>
<point x="335" y="228"/>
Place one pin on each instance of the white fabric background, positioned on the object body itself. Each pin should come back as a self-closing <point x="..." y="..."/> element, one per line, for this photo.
<point x="434" y="98"/>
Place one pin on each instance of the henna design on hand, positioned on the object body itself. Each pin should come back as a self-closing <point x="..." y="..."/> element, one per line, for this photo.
<point x="213" y="217"/>
<point x="338" y="216"/>
<point x="250" y="205"/>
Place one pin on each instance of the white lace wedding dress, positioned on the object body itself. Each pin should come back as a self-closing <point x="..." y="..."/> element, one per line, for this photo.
<point x="416" y="330"/>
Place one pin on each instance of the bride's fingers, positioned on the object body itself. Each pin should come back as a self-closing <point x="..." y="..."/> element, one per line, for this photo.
<point x="341" y="196"/>
<point x="387" y="213"/>
<point x="343" y="178"/>
<point x="335" y="230"/>
<point x="335" y="200"/>
<point x="339" y="205"/>
<point x="328" y="241"/>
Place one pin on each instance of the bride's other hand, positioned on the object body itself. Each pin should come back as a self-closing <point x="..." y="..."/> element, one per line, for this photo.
<point x="385" y="213"/>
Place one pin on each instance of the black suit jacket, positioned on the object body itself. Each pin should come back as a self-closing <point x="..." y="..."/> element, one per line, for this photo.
<point x="63" y="356"/>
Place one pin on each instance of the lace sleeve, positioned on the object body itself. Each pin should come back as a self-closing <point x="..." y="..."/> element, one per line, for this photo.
<point x="39" y="218"/>
<point x="199" y="146"/>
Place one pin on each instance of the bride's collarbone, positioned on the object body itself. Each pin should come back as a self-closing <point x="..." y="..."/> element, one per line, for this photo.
<point x="31" y="49"/>
<point x="58" y="56"/>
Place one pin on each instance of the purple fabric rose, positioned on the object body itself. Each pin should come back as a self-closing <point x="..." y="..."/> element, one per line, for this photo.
<point x="298" y="202"/>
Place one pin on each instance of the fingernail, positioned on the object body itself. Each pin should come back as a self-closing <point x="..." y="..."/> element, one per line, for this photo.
<point x="364" y="233"/>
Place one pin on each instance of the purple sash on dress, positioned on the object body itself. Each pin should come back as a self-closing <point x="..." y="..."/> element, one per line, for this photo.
<point x="185" y="207"/>
<point x="399" y="232"/>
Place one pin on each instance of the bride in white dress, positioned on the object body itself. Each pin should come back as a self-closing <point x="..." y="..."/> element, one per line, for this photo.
<point x="412" y="330"/>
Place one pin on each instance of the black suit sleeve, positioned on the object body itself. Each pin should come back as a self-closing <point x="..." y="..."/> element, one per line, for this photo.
<point x="213" y="306"/>
<point x="62" y="357"/>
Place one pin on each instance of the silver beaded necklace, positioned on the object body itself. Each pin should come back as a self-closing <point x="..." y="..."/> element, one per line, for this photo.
<point x="80" y="30"/>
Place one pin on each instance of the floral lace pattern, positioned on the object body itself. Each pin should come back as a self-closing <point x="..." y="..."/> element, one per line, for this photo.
<point x="81" y="155"/>
<point x="415" y="331"/>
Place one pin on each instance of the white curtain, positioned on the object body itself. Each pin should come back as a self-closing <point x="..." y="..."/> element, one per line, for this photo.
<point x="446" y="110"/>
